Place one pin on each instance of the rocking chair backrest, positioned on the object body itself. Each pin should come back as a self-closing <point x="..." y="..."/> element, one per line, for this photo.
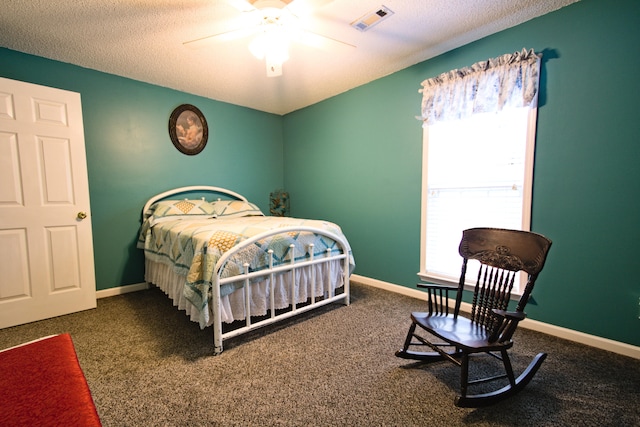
<point x="502" y="255"/>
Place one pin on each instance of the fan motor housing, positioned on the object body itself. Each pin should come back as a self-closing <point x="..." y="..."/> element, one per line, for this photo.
<point x="261" y="4"/>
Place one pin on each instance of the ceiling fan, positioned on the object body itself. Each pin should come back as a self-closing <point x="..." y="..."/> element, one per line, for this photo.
<point x="275" y="24"/>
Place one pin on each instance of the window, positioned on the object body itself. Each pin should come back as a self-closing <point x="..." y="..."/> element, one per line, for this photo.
<point x="477" y="172"/>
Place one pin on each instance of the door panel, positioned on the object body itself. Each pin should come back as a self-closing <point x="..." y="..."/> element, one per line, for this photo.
<point x="10" y="191"/>
<point x="56" y="170"/>
<point x="14" y="264"/>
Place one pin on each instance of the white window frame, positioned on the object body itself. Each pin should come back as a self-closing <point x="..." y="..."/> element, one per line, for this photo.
<point x="526" y="204"/>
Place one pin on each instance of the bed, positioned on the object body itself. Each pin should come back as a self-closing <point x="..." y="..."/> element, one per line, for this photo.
<point x="220" y="259"/>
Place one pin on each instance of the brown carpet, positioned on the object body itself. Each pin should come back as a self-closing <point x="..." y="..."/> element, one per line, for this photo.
<point x="148" y="365"/>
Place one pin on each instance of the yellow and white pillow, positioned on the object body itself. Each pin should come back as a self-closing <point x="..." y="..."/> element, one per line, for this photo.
<point x="234" y="209"/>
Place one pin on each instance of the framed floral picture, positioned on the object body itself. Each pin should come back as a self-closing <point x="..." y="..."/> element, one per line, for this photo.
<point x="188" y="129"/>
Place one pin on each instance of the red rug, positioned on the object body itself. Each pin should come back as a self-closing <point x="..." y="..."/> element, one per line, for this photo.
<point x="42" y="384"/>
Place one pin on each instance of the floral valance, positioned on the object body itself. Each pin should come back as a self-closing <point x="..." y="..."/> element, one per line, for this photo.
<point x="509" y="80"/>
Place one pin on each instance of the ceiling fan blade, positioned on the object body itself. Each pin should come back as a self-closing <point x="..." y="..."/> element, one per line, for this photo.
<point x="322" y="42"/>
<point x="306" y="7"/>
<point x="221" y="37"/>
<point x="242" y="5"/>
<point x="314" y="3"/>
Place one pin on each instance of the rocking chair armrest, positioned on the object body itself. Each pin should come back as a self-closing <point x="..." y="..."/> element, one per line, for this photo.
<point x="511" y="315"/>
<point x="438" y="297"/>
<point x="437" y="287"/>
<point x="507" y="324"/>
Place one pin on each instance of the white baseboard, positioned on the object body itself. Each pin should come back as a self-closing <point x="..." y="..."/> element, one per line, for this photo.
<point x="111" y="292"/>
<point x="535" y="325"/>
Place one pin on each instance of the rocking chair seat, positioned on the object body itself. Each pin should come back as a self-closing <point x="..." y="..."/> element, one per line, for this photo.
<point x="459" y="332"/>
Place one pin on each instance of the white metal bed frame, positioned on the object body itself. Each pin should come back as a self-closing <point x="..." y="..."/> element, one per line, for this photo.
<point x="290" y="268"/>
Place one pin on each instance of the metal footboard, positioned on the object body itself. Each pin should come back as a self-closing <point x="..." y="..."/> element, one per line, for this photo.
<point x="246" y="278"/>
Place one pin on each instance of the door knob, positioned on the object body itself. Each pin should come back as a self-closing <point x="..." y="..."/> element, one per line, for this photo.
<point x="81" y="215"/>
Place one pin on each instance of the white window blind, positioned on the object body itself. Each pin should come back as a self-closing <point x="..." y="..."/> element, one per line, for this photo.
<point x="476" y="176"/>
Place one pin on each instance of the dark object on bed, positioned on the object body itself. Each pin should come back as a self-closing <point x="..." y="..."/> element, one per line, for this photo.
<point x="502" y="254"/>
<point x="42" y="384"/>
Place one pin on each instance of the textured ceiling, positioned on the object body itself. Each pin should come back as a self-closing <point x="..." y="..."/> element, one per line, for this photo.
<point x="143" y="40"/>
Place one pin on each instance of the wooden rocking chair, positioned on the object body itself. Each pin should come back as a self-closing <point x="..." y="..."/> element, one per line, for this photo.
<point x="502" y="254"/>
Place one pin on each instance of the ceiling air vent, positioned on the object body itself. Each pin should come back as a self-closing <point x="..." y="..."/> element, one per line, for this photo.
<point x="372" y="18"/>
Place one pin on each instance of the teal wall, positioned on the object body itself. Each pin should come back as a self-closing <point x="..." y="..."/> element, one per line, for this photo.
<point x="356" y="159"/>
<point x="130" y="156"/>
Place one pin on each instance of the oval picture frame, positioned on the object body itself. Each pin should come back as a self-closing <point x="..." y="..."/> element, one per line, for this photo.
<point x="188" y="129"/>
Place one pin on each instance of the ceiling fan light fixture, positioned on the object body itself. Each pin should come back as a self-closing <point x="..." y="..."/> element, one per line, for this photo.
<point x="279" y="24"/>
<point x="272" y="45"/>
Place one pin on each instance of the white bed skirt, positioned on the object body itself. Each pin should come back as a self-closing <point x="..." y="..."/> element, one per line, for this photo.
<point x="328" y="277"/>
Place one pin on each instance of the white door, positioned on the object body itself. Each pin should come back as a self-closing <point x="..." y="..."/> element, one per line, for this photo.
<point x="46" y="247"/>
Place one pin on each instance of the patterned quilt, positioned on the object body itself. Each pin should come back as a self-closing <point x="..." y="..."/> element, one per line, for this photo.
<point x="193" y="247"/>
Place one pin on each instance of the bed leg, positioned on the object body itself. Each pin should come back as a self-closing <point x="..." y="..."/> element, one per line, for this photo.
<point x="217" y="339"/>
<point x="346" y="281"/>
<point x="217" y="317"/>
<point x="217" y="349"/>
